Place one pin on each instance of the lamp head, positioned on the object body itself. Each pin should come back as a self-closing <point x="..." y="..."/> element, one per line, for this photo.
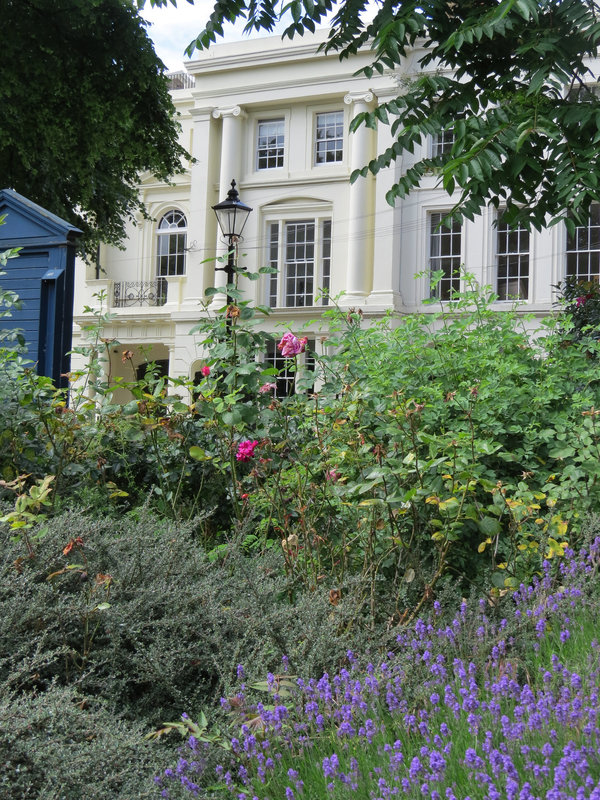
<point x="232" y="214"/>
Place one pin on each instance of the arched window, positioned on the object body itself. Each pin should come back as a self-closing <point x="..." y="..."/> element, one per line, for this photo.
<point x="172" y="240"/>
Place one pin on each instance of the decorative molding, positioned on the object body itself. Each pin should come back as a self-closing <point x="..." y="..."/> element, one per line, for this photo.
<point x="229" y="111"/>
<point x="359" y="97"/>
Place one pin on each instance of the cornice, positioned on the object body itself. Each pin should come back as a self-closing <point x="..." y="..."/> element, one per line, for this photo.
<point x="259" y="52"/>
<point x="300" y="88"/>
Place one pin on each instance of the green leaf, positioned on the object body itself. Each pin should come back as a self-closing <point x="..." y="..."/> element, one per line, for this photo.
<point x="489" y="526"/>
<point x="198" y="454"/>
<point x="566" y="451"/>
<point x="498" y="580"/>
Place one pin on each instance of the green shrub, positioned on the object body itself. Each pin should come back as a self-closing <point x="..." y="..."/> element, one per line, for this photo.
<point x="456" y="448"/>
<point x="579" y="301"/>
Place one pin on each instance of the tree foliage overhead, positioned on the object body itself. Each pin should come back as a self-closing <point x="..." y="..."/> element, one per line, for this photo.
<point x="85" y="109"/>
<point x="505" y="74"/>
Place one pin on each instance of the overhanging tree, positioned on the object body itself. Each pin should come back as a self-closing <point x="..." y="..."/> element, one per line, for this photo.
<point x="85" y="109"/>
<point x="507" y="75"/>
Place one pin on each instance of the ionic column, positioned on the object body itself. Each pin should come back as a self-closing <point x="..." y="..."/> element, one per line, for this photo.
<point x="359" y="270"/>
<point x="231" y="165"/>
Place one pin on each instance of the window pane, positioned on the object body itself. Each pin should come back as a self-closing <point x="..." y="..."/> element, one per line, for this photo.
<point x="441" y="143"/>
<point x="326" y="260"/>
<point x="300" y="265"/>
<point x="273" y="262"/>
<point x="329" y="137"/>
<point x="512" y="262"/>
<point x="270" y="144"/>
<point x="301" y="251"/>
<point x="171" y="244"/>
<point x="444" y="255"/>
<point x="583" y="249"/>
<point x="286" y="380"/>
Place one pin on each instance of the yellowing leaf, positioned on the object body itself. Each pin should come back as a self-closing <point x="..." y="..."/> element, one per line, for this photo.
<point x="561" y="527"/>
<point x="556" y="548"/>
<point x="451" y="502"/>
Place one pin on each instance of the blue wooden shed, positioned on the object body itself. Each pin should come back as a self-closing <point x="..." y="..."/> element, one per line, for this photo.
<point x="42" y="276"/>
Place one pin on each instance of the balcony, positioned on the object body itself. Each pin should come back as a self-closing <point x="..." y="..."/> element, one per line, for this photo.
<point x="130" y="294"/>
<point x="180" y="80"/>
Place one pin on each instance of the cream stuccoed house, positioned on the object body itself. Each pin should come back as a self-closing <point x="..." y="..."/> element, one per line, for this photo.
<point x="274" y="116"/>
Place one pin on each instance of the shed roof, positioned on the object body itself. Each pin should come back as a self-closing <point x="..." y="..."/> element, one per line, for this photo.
<point x="27" y="223"/>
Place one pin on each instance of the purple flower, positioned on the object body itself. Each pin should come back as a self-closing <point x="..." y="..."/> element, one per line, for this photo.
<point x="330" y="766"/>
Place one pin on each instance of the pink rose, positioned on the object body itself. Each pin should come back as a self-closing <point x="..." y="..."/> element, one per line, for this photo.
<point x="290" y="345"/>
<point x="205" y="371"/>
<point x="245" y="450"/>
<point x="266" y="387"/>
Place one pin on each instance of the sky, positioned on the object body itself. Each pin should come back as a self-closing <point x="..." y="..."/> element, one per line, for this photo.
<point x="172" y="29"/>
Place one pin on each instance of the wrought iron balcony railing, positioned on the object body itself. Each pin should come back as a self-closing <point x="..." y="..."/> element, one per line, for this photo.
<point x="128" y="294"/>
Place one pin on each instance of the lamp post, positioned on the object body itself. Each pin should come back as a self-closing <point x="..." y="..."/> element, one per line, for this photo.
<point x="232" y="216"/>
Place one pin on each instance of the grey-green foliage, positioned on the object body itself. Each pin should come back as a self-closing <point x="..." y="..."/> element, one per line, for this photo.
<point x="57" y="745"/>
<point x="177" y="623"/>
<point x="505" y="74"/>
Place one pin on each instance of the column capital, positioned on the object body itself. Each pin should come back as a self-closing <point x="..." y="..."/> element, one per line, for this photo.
<point x="229" y="111"/>
<point x="359" y="97"/>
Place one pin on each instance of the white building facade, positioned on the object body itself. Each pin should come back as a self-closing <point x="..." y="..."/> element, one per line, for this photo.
<point x="275" y="116"/>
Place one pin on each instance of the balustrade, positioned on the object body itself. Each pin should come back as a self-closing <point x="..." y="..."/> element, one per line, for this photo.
<point x="128" y="294"/>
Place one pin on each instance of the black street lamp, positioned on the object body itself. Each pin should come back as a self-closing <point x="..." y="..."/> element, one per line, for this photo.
<point x="232" y="216"/>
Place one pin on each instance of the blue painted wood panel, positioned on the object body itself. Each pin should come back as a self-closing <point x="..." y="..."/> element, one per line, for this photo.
<point x="42" y="275"/>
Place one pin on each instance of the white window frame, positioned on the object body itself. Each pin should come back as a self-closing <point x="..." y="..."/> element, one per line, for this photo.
<point x="340" y="151"/>
<point x="440" y="239"/>
<point x="169" y="230"/>
<point x="512" y="255"/>
<point x="265" y="121"/>
<point x="582" y="261"/>
<point x="441" y="143"/>
<point x="277" y="290"/>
